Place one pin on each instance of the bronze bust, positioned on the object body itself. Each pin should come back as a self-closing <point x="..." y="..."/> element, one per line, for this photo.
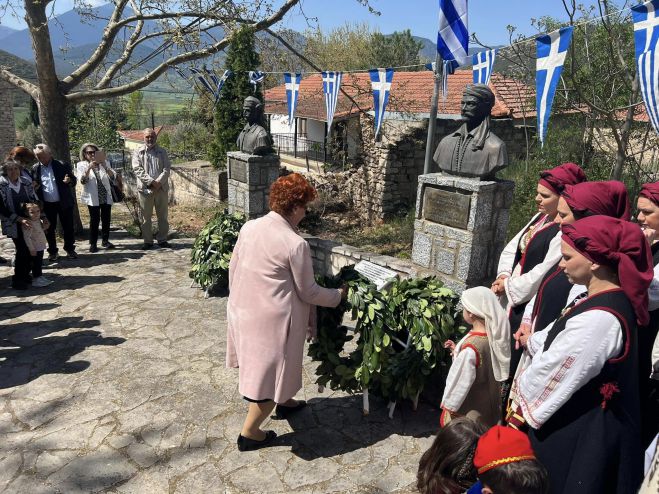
<point x="254" y="138"/>
<point x="472" y="150"/>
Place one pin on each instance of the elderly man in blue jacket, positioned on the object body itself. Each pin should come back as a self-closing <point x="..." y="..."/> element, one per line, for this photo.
<point x="55" y="185"/>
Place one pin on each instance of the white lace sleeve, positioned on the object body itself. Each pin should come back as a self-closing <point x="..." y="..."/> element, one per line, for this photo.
<point x="653" y="291"/>
<point x="575" y="357"/>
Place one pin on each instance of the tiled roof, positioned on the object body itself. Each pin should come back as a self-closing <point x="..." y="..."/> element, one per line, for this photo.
<point x="138" y="135"/>
<point x="411" y="92"/>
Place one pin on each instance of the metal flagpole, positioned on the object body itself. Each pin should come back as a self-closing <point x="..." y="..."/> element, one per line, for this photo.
<point x="432" y="119"/>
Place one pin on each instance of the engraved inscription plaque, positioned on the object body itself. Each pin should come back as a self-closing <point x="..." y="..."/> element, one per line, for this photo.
<point x="381" y="277"/>
<point x="238" y="170"/>
<point x="446" y="208"/>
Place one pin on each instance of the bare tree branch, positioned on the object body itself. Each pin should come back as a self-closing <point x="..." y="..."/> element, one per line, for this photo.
<point x="19" y="82"/>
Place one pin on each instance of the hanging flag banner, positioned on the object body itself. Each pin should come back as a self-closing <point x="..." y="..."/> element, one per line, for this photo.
<point x="551" y="49"/>
<point x="430" y="66"/>
<point x="646" y="35"/>
<point x="220" y="84"/>
<point x="256" y="77"/>
<point x="331" y="87"/>
<point x="292" y="90"/>
<point x="483" y="63"/>
<point x="452" y="38"/>
<point x="201" y="78"/>
<point x="381" y="84"/>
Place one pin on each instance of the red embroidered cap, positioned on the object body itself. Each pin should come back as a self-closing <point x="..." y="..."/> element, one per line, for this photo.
<point x="500" y="446"/>
<point x="557" y="178"/>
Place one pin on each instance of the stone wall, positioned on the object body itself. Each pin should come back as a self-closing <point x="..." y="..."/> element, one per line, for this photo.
<point x="387" y="180"/>
<point x="7" y="124"/>
<point x="191" y="184"/>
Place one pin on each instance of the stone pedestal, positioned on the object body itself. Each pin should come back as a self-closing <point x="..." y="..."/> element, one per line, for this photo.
<point x="249" y="181"/>
<point x="460" y="227"/>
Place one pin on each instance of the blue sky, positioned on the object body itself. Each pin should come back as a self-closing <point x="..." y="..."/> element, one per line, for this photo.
<point x="487" y="18"/>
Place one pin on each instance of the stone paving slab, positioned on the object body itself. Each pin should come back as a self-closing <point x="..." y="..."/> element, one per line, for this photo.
<point x="113" y="380"/>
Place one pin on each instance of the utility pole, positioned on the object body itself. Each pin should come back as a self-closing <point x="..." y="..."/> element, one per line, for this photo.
<point x="153" y="121"/>
<point x="432" y="119"/>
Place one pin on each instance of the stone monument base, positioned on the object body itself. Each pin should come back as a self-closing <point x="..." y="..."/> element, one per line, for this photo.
<point x="460" y="227"/>
<point x="249" y="180"/>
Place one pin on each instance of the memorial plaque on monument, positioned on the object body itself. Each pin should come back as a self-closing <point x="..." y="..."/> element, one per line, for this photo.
<point x="238" y="171"/>
<point x="446" y="208"/>
<point x="379" y="276"/>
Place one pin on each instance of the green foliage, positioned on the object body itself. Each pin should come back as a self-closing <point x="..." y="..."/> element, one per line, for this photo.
<point x="212" y="250"/>
<point x="241" y="57"/>
<point x="96" y="122"/>
<point x="400" y="334"/>
<point x="134" y="109"/>
<point x="397" y="49"/>
<point x="31" y="136"/>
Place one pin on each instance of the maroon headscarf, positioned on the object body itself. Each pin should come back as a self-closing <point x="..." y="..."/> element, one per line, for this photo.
<point x="621" y="245"/>
<point x="591" y="198"/>
<point x="650" y="191"/>
<point x="557" y="178"/>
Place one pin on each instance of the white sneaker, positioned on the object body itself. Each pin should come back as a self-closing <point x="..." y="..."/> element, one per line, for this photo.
<point x="41" y="281"/>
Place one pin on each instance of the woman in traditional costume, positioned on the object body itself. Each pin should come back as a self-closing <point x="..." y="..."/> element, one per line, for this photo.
<point x="579" y="395"/>
<point x="481" y="361"/>
<point x="648" y="218"/>
<point x="534" y="250"/>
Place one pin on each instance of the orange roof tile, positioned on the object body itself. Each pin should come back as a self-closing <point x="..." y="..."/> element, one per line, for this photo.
<point x="411" y="92"/>
<point x="138" y="135"/>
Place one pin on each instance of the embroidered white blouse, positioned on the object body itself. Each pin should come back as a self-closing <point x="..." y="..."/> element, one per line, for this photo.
<point x="461" y="376"/>
<point x="577" y="355"/>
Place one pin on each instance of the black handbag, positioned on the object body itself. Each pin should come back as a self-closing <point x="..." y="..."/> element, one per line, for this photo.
<point x="117" y="191"/>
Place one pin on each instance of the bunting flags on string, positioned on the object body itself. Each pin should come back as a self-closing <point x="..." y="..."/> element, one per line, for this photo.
<point x="331" y="87"/>
<point x="256" y="77"/>
<point x="201" y="78"/>
<point x="646" y="35"/>
<point x="292" y="90"/>
<point x="220" y="84"/>
<point x="483" y="63"/>
<point x="381" y="84"/>
<point x="551" y="50"/>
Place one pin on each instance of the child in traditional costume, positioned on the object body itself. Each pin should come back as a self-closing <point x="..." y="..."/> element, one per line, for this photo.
<point x="481" y="360"/>
<point x="579" y="395"/>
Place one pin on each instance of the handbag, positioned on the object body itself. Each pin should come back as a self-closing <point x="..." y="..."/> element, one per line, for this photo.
<point x="116" y="188"/>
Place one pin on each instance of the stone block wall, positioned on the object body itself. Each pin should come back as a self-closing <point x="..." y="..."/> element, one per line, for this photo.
<point x="7" y="124"/>
<point x="249" y="182"/>
<point x="387" y="180"/>
<point x="198" y="184"/>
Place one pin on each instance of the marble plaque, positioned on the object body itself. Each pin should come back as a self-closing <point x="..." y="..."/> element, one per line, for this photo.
<point x="378" y="275"/>
<point x="446" y="208"/>
<point x="238" y="170"/>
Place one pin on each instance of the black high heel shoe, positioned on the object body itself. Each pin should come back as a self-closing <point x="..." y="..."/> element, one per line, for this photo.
<point x="282" y="412"/>
<point x="247" y="444"/>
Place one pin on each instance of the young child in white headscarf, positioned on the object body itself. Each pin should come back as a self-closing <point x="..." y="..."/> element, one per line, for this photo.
<point x="481" y="360"/>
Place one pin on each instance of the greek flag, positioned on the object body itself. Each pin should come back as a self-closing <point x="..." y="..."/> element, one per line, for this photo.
<point x="483" y="63"/>
<point x="199" y="76"/>
<point x="551" y="49"/>
<point x="331" y="87"/>
<point x="646" y="35"/>
<point x="453" y="37"/>
<point x="381" y="84"/>
<point x="292" y="90"/>
<point x="220" y="83"/>
<point x="255" y="77"/>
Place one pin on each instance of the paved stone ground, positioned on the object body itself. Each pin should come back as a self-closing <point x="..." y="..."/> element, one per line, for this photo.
<point x="113" y="380"/>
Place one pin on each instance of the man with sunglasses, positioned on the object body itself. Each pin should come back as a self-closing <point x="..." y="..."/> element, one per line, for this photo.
<point x="151" y="166"/>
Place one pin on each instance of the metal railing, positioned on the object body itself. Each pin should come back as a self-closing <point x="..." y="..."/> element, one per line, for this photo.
<point x="301" y="147"/>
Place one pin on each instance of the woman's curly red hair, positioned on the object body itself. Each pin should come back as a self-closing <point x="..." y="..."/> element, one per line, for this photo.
<point x="290" y="191"/>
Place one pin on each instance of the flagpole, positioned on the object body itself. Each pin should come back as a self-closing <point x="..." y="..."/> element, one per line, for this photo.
<point x="432" y="119"/>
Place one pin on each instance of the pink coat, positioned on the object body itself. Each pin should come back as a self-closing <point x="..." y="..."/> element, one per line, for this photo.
<point x="271" y="292"/>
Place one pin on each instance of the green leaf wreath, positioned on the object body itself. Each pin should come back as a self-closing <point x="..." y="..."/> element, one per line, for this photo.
<point x="400" y="334"/>
<point x="212" y="250"/>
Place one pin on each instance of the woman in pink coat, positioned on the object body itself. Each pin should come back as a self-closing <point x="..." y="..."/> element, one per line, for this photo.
<point x="271" y="294"/>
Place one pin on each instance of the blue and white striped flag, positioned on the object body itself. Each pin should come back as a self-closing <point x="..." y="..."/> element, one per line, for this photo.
<point x="381" y="80"/>
<point x="199" y="76"/>
<point x="552" y="49"/>
<point x="331" y="87"/>
<point x="453" y="36"/>
<point x="292" y="91"/>
<point x="220" y="83"/>
<point x="646" y="36"/>
<point x="255" y="77"/>
<point x="483" y="64"/>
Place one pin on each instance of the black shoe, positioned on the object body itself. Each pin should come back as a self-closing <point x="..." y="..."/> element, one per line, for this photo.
<point x="20" y="286"/>
<point x="71" y="254"/>
<point x="164" y="245"/>
<point x="93" y="248"/>
<point x="3" y="260"/>
<point x="147" y="246"/>
<point x="247" y="444"/>
<point x="107" y="245"/>
<point x="282" y="412"/>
